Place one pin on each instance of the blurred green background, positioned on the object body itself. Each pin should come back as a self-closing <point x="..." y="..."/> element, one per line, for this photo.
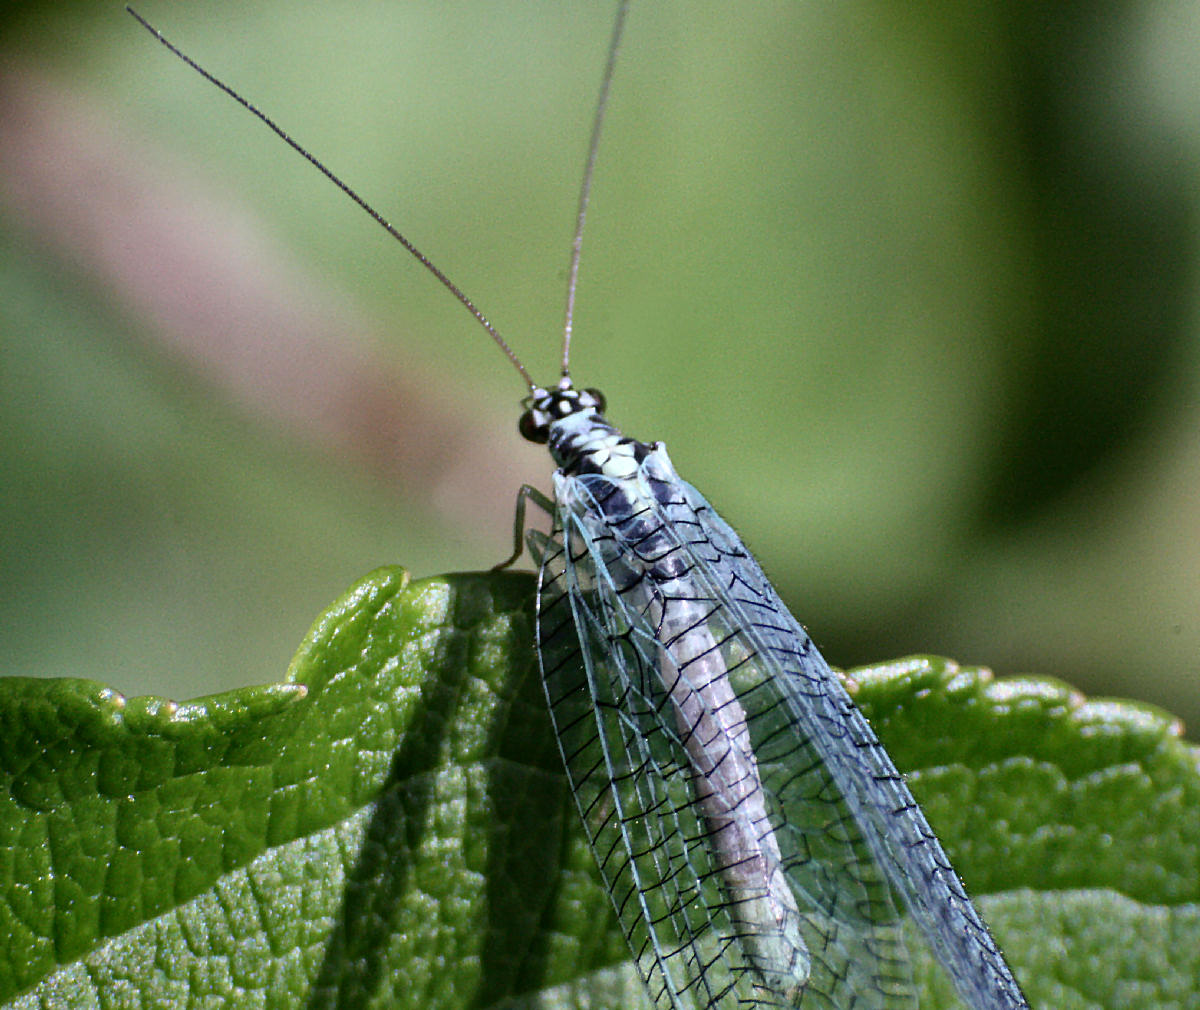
<point x="908" y="291"/>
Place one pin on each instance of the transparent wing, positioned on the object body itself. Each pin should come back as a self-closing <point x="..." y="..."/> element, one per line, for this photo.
<point x="632" y="774"/>
<point x="753" y="834"/>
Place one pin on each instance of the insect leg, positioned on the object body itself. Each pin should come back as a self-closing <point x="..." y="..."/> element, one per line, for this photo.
<point x="527" y="493"/>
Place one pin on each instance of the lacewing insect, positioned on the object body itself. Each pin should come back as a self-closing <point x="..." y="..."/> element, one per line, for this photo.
<point x="759" y="846"/>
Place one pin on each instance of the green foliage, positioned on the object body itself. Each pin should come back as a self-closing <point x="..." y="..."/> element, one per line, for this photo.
<point x="390" y="827"/>
<point x="946" y="257"/>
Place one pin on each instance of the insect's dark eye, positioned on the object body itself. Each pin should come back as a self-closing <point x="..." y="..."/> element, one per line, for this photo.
<point x="531" y="430"/>
<point x="601" y="403"/>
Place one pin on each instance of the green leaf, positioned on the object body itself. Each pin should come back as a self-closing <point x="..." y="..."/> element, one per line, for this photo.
<point x="390" y="827"/>
<point x="1075" y="824"/>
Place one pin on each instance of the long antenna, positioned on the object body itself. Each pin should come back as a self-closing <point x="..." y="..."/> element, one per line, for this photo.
<point x="585" y="189"/>
<point x="378" y="218"/>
